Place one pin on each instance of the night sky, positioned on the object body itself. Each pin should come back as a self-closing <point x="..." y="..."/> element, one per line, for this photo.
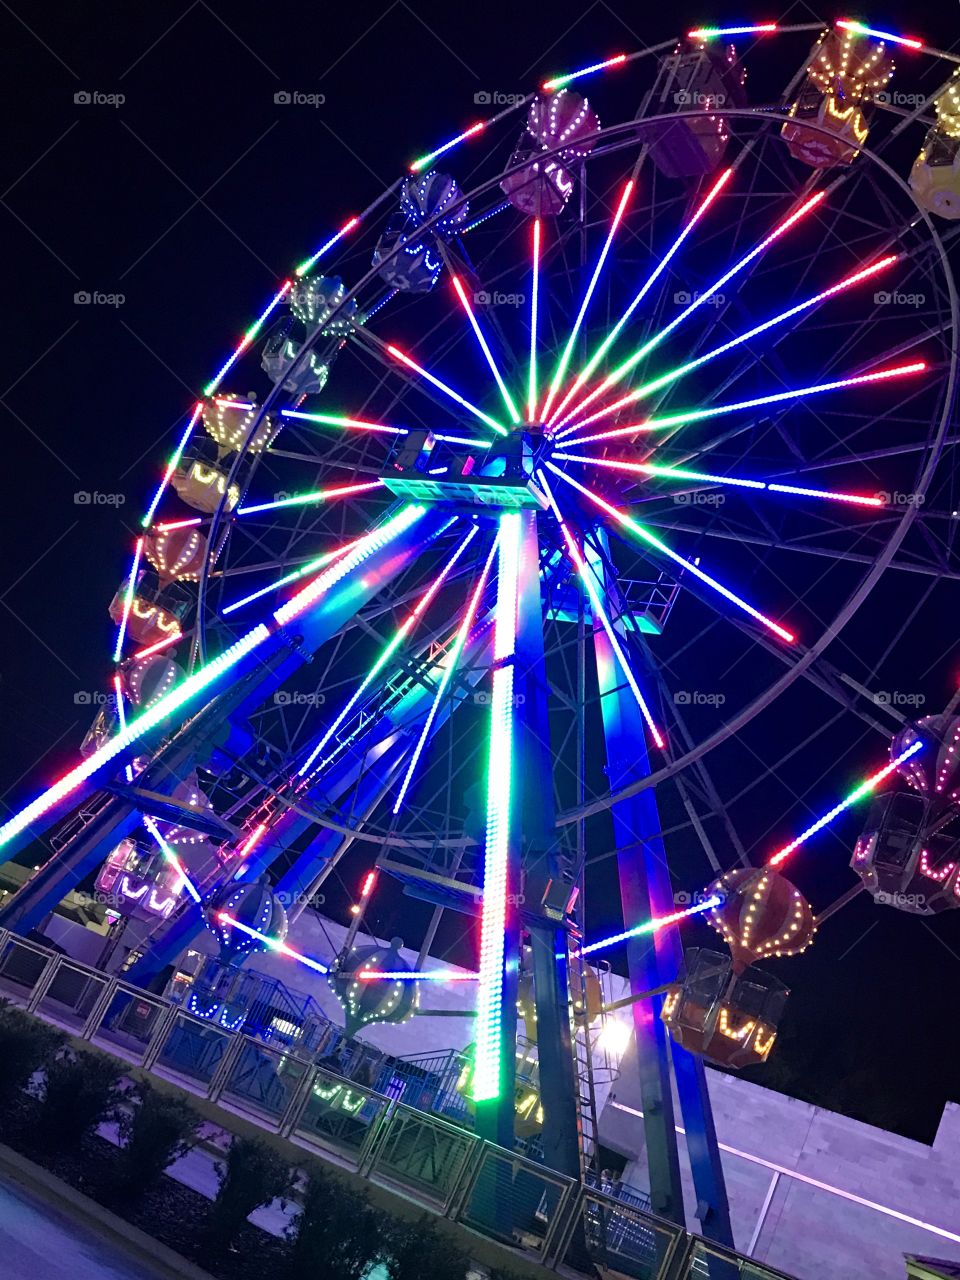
<point x="181" y="206"/>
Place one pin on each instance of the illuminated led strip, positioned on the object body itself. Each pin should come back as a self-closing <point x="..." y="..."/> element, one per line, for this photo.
<point x="206" y="675"/>
<point x="248" y="337"/>
<point x="489" y="1040"/>
<point x="319" y="495"/>
<point x="171" y="467"/>
<point x="846" y="24"/>
<point x="564" y="360"/>
<point x="361" y="550"/>
<point x="864" y="788"/>
<point x="534" y="320"/>
<point x="648" y="284"/>
<point x="155" y="648"/>
<point x="471" y="443"/>
<point x="587" y="577"/>
<point x="699" y="415"/>
<point x="121" y="717"/>
<point x="169" y="525"/>
<point x="447" y="676"/>
<point x="256" y="835"/>
<point x="171" y="857"/>
<point x="128" y="601"/>
<point x="442" y="386"/>
<point x="369" y="880"/>
<point x="650" y="926"/>
<point x="274" y="944"/>
<point x="310" y="567"/>
<point x="618" y="374"/>
<point x="485" y="348"/>
<point x="710" y="33"/>
<point x="738" y="482"/>
<point x="335" y="420"/>
<point x="403" y="631"/>
<point x="415" y="975"/>
<point x="307" y="263"/>
<point x="558" y="82"/>
<point x="447" y="146"/>
<point x="688" y="565"/>
<point x="666" y="378"/>
<point x="802" y="492"/>
<point x="388" y="650"/>
<point x="135" y="729"/>
<point x="492" y="213"/>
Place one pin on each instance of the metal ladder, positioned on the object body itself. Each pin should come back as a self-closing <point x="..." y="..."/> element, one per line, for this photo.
<point x="586" y="1087"/>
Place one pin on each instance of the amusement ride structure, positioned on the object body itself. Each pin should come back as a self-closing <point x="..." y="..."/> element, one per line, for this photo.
<point x="576" y="413"/>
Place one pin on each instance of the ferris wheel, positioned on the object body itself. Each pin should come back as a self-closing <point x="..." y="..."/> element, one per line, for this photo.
<point x="529" y="489"/>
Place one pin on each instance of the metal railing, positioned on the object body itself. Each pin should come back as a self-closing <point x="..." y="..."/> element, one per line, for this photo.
<point x="531" y="1209"/>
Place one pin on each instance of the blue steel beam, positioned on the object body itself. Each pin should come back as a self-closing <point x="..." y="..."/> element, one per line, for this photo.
<point x="646" y="891"/>
<point x="561" y="1136"/>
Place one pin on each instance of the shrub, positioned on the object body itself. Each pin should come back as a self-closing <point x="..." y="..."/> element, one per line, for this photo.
<point x="337" y="1234"/>
<point x="82" y="1089"/>
<point x="157" y="1130"/>
<point x="251" y="1175"/>
<point x="26" y="1045"/>
<point x="418" y="1249"/>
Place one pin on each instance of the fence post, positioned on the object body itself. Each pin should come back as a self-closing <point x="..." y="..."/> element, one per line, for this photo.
<point x="560" y="1231"/>
<point x="99" y="1009"/>
<point x="677" y="1263"/>
<point x="221" y="1076"/>
<point x="470" y="1181"/>
<point x="160" y="1032"/>
<point x="297" y="1104"/>
<point x="44" y="982"/>
<point x="375" y="1140"/>
<point x="458" y="1191"/>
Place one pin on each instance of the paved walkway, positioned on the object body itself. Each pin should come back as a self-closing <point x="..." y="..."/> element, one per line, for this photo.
<point x="37" y="1242"/>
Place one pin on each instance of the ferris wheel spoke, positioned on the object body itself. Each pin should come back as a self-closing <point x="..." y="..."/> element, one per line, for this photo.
<point x="564" y="361"/>
<point x="793" y="393"/>
<point x="386" y="653"/>
<point x="588" y="578"/>
<point x="448" y="673"/>
<point x="622" y="370"/>
<point x="664" y="380"/>
<point x="339" y="420"/>
<point x="485" y="348"/>
<point x="557" y="419"/>
<point x="310" y="566"/>
<point x="409" y="364"/>
<point x="627" y="522"/>
<point x="864" y="788"/>
<point x="317" y="496"/>
<point x="932" y="568"/>
<point x="707" y="478"/>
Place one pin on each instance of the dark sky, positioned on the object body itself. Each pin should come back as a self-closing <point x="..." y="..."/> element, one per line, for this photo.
<point x="190" y="198"/>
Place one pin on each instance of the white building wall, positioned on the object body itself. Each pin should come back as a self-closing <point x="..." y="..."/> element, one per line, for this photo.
<point x="841" y="1193"/>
